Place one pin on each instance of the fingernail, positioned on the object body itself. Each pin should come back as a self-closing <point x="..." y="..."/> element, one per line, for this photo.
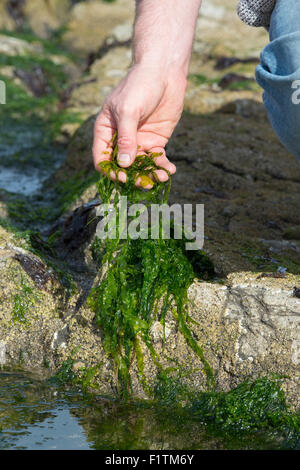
<point x="124" y="158"/>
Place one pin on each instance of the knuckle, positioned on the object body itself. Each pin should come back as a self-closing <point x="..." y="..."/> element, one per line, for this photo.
<point x="127" y="109"/>
<point x="125" y="141"/>
<point x="126" y="103"/>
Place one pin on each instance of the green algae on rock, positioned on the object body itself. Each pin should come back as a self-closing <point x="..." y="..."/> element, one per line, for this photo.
<point x="250" y="409"/>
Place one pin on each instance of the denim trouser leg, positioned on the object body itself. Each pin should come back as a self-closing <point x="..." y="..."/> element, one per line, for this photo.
<point x="278" y="71"/>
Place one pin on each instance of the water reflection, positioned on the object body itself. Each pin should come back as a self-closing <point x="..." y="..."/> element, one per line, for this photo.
<point x="33" y="416"/>
<point x="36" y="415"/>
<point x="27" y="156"/>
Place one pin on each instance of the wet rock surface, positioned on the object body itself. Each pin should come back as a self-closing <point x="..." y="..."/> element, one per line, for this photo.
<point x="227" y="158"/>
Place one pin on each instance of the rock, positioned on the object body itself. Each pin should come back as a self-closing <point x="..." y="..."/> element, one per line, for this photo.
<point x="79" y="154"/>
<point x="60" y="338"/>
<point x="87" y="23"/>
<point x="200" y="100"/>
<point x="31" y="296"/>
<point x="219" y="30"/>
<point x="6" y="21"/>
<point x="104" y="75"/>
<point x="259" y="182"/>
<point x="122" y="32"/>
<point x="2" y="353"/>
<point x="214" y="38"/>
<point x="3" y="210"/>
<point x="91" y="22"/>
<point x="77" y="229"/>
<point x="8" y="71"/>
<point x="278" y="246"/>
<point x="248" y="327"/>
<point x="35" y="80"/>
<point x="41" y="16"/>
<point x="13" y="46"/>
<point x="260" y="332"/>
<point x="46" y="16"/>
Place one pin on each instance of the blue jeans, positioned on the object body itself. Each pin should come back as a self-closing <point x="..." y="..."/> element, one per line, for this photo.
<point x="278" y="71"/>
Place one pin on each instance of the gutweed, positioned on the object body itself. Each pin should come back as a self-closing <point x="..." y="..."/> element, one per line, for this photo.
<point x="144" y="277"/>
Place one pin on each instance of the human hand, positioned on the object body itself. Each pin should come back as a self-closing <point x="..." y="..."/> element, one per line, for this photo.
<point x="144" y="110"/>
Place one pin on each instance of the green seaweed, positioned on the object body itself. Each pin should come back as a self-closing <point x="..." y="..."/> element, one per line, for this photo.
<point x="52" y="45"/>
<point x="251" y="409"/>
<point x="199" y="79"/>
<point x="249" y="406"/>
<point x="20" y="102"/>
<point x="82" y="379"/>
<point x="141" y="276"/>
<point x="65" y="374"/>
<point x="23" y="302"/>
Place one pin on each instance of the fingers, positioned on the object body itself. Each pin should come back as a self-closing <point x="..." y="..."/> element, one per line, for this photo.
<point x="104" y="130"/>
<point x="163" y="162"/>
<point x="127" y="140"/>
<point x="102" y="146"/>
<point x="147" y="182"/>
<point x="122" y="177"/>
<point x="162" y="175"/>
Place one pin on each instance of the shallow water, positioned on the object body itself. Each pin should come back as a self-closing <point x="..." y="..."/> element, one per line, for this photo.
<point x="21" y="181"/>
<point x="36" y="415"/>
<point x="27" y="156"/>
<point x="32" y="416"/>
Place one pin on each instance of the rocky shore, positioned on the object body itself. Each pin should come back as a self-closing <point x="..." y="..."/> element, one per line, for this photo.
<point x="247" y="315"/>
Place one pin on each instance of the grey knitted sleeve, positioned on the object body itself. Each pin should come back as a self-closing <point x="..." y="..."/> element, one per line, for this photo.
<point x="256" y="12"/>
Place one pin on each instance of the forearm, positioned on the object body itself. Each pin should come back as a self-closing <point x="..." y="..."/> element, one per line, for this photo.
<point x="164" y="32"/>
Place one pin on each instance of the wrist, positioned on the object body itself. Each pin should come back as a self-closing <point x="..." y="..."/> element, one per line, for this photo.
<point x="164" y="32"/>
<point x="160" y="68"/>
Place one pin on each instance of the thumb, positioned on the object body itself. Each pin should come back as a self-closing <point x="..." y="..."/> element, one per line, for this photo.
<point x="127" y="141"/>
